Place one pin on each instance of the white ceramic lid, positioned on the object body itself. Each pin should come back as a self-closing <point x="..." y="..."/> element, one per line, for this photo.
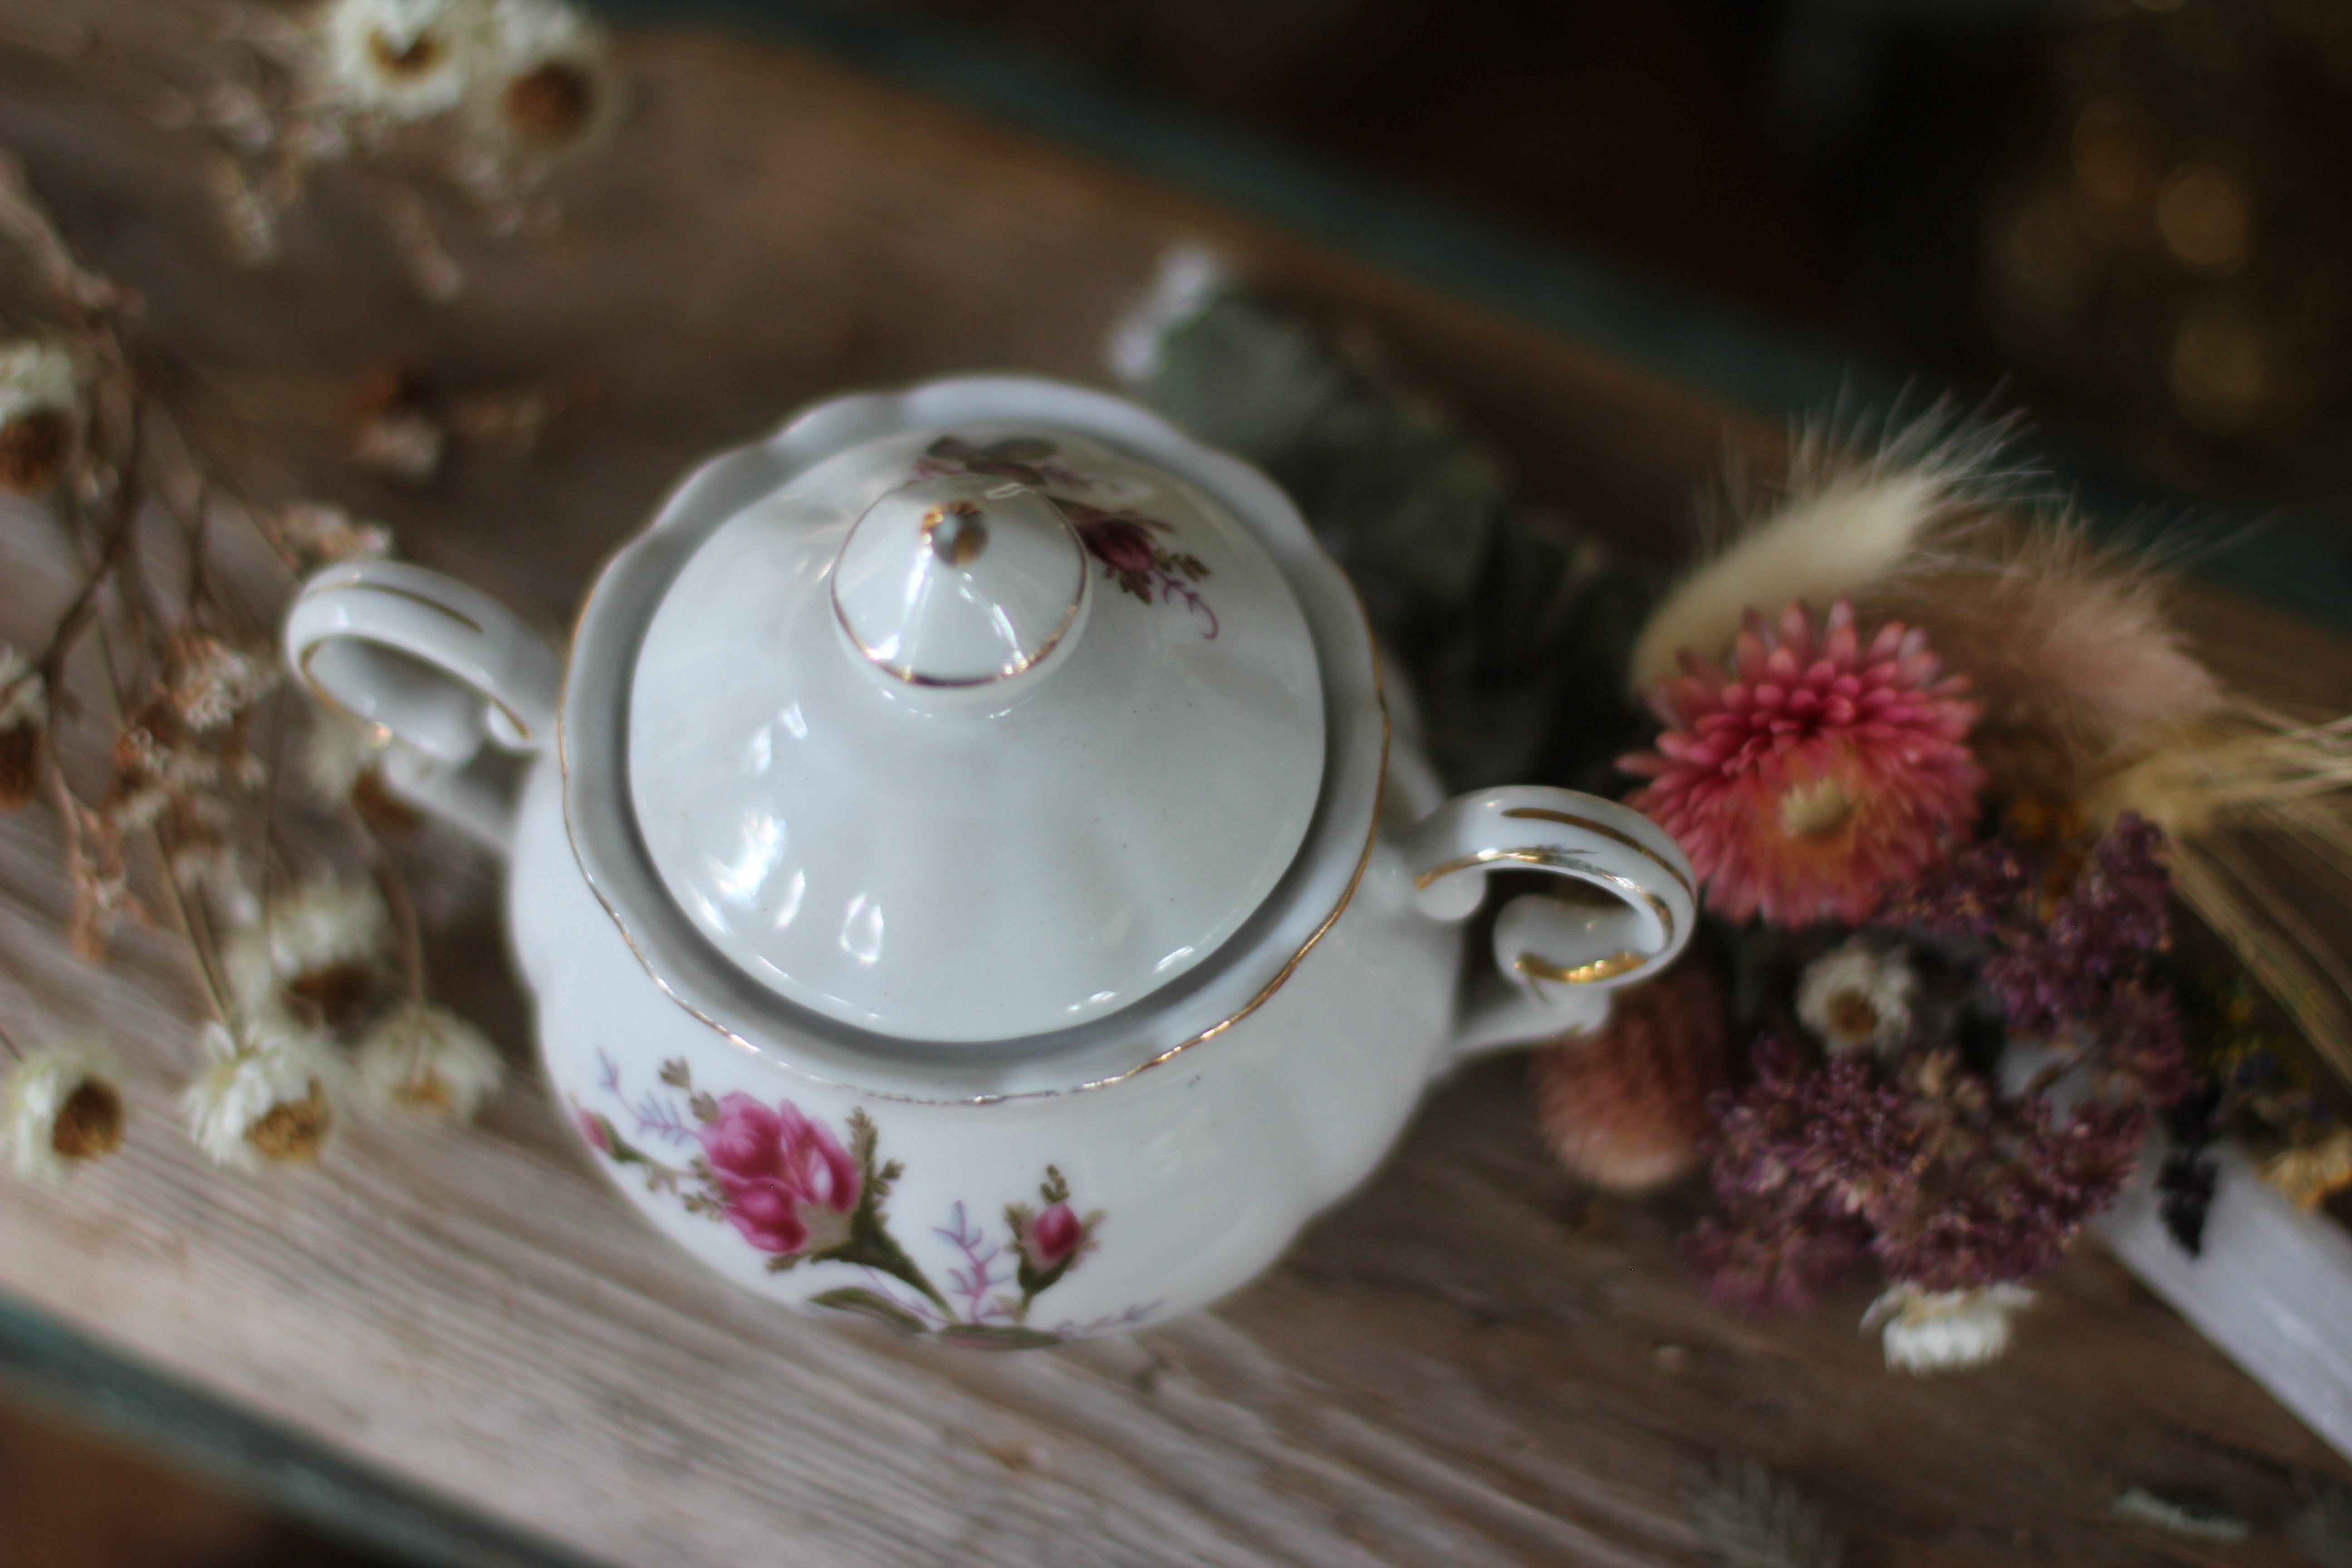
<point x="977" y="734"/>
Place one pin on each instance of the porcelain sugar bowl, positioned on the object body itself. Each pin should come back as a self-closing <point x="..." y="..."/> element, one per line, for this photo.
<point x="965" y="871"/>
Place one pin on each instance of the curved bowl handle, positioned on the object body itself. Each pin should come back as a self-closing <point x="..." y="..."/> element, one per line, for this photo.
<point x="1632" y="905"/>
<point x="426" y="661"/>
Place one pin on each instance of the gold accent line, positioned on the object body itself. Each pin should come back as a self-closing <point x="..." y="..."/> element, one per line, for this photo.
<point x="1544" y="814"/>
<point x="382" y="732"/>
<point x="378" y="732"/>
<point x="1535" y="966"/>
<point x="414" y="597"/>
<point x="1379" y="799"/>
<point x="1363" y="863"/>
<point x="1545" y="857"/>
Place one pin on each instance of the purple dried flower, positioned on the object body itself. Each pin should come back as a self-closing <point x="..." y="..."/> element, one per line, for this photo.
<point x="2115" y="916"/>
<point x="1946" y="1185"/>
<point x="2145" y="1043"/>
<point x="2007" y="1212"/>
<point x="1766" y="1258"/>
<point x="1785" y="1234"/>
<point x="1979" y="892"/>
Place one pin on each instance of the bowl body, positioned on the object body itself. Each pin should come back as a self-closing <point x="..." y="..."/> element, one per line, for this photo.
<point x="1011" y="1223"/>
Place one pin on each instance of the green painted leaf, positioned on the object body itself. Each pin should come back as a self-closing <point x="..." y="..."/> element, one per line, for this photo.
<point x="996" y="1337"/>
<point x="860" y="1302"/>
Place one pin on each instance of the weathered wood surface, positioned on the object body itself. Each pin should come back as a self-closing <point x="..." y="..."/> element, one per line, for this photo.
<point x="1469" y="1362"/>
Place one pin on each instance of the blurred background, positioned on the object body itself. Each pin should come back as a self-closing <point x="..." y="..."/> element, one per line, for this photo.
<point x="2129" y="219"/>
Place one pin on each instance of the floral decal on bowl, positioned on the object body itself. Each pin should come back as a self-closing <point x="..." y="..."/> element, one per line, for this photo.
<point x="801" y="1195"/>
<point x="1136" y="552"/>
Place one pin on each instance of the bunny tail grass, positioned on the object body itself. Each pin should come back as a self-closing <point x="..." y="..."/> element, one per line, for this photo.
<point x="1847" y="522"/>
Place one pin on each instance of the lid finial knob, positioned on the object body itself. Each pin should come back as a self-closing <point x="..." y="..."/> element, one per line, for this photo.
<point x="960" y="582"/>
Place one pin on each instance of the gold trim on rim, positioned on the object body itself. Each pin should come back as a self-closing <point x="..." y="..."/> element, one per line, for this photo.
<point x="1536" y="967"/>
<point x="383" y="732"/>
<point x="1543" y="857"/>
<point x="378" y="732"/>
<point x="1544" y="814"/>
<point x="629" y="939"/>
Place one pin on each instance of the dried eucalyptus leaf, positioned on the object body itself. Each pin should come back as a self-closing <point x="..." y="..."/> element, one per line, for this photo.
<point x="1406" y="503"/>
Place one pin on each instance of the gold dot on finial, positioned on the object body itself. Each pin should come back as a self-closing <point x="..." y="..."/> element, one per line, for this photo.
<point x="957" y="532"/>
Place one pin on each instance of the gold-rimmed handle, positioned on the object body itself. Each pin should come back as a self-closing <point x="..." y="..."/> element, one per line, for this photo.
<point x="1625" y="910"/>
<point x="447" y="677"/>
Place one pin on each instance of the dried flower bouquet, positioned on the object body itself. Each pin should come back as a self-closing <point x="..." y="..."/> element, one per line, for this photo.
<point x="1946" y="768"/>
<point x="1952" y="773"/>
<point x="188" y="788"/>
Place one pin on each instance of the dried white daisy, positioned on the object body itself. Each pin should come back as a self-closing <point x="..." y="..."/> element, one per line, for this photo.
<point x="544" y="77"/>
<point x="211" y="680"/>
<point x="313" y="959"/>
<point x="322" y="535"/>
<point x="404" y="59"/>
<point x="1855" y="999"/>
<point x="59" y="1107"/>
<point x="429" y="1062"/>
<point x="1944" y="1331"/>
<point x="39" y="395"/>
<point x="24" y="718"/>
<point x="262" y="1098"/>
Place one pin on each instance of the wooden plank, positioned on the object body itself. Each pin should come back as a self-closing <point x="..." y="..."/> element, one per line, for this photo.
<point x="1469" y="1362"/>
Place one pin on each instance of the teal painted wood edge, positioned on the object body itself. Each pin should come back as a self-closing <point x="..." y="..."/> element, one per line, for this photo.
<point x="2293" y="564"/>
<point x="49" y="1365"/>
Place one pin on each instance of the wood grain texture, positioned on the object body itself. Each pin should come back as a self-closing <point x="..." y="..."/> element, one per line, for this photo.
<point x="1467" y="1362"/>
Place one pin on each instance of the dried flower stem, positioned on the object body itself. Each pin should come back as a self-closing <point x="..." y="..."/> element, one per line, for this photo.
<point x="406" y="928"/>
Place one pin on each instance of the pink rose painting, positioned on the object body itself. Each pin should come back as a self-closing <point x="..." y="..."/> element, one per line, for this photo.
<point x="1119" y="544"/>
<point x="789" y="1187"/>
<point x="801" y="1195"/>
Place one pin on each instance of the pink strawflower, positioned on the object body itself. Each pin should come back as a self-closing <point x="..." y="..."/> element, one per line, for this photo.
<point x="1814" y="773"/>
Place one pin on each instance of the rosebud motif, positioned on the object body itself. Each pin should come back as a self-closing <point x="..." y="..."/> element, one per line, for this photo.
<point x="1050" y="1241"/>
<point x="1052" y="1238"/>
